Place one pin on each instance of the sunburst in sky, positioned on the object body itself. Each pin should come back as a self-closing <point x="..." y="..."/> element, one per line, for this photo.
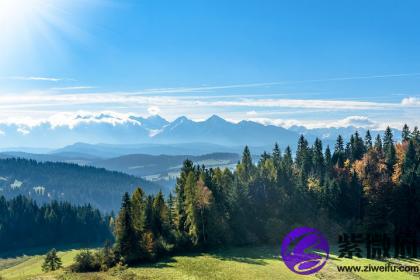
<point x="31" y="28"/>
<point x="311" y="64"/>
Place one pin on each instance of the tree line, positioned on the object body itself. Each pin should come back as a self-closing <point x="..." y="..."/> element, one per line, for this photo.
<point x="364" y="185"/>
<point x="25" y="224"/>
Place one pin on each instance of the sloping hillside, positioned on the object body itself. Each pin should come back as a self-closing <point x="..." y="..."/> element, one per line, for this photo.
<point x="45" y="181"/>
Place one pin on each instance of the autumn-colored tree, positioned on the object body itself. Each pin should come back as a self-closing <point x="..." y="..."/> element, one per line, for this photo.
<point x="203" y="200"/>
<point x="373" y="173"/>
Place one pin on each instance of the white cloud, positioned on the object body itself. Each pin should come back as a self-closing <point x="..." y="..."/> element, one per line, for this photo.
<point x="410" y="101"/>
<point x="23" y="130"/>
<point x="72" y="119"/>
<point x="277" y="122"/>
<point x="356" y="121"/>
<point x="305" y="103"/>
<point x="32" y="108"/>
<point x="153" y="110"/>
<point x="33" y="78"/>
<point x="275" y="83"/>
<point x="112" y="99"/>
<point x="252" y="113"/>
<point x="73" y="88"/>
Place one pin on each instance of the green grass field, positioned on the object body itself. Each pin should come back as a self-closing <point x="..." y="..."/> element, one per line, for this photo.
<point x="235" y="263"/>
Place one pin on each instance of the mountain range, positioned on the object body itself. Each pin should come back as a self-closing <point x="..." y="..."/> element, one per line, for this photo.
<point x="133" y="134"/>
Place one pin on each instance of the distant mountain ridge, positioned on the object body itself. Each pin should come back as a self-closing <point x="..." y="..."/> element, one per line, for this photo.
<point x="161" y="169"/>
<point x="155" y="130"/>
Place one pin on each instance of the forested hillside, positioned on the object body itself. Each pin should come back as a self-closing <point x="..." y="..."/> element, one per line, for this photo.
<point x="365" y="185"/>
<point x="24" y="224"/>
<point x="46" y="181"/>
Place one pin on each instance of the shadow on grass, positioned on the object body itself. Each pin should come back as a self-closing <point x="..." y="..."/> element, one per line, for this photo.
<point x="164" y="263"/>
<point x="249" y="255"/>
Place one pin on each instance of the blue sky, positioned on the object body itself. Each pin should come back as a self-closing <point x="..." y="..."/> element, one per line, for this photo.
<point x="316" y="63"/>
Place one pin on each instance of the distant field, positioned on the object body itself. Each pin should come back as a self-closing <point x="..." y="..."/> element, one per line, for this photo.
<point x="235" y="263"/>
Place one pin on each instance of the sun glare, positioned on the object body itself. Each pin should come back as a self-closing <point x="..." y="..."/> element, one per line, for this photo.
<point x="22" y="22"/>
<point x="26" y="26"/>
<point x="20" y="13"/>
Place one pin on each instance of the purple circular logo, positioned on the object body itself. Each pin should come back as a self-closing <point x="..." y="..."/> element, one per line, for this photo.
<point x="305" y="250"/>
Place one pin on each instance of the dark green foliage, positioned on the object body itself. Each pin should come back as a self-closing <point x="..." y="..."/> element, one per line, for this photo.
<point x="247" y="160"/>
<point x="405" y="135"/>
<point x="378" y="144"/>
<point x="303" y="158"/>
<point x="107" y="257"/>
<point x="368" y="140"/>
<point x="160" y="216"/>
<point x="24" y="224"/>
<point x="357" y="188"/>
<point x="52" y="261"/>
<point x="86" y="261"/>
<point x="47" y="181"/>
<point x="338" y="155"/>
<point x="357" y="147"/>
<point x="389" y="149"/>
<point x="415" y="135"/>
<point x="127" y="243"/>
<point x="318" y="161"/>
<point x="277" y="157"/>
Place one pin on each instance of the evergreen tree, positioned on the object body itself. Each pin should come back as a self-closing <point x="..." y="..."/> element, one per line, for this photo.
<point x="246" y="169"/>
<point x="286" y="174"/>
<point x="160" y="224"/>
<point x="415" y="135"/>
<point x="318" y="158"/>
<point x="368" y="140"/>
<point x="180" y="216"/>
<point x="127" y="242"/>
<point x="287" y="159"/>
<point x="192" y="219"/>
<point x="51" y="262"/>
<point x="171" y="211"/>
<point x="277" y="157"/>
<point x="410" y="164"/>
<point x="138" y="206"/>
<point x="328" y="160"/>
<point x="378" y="144"/>
<point x="405" y="134"/>
<point x="358" y="148"/>
<point x="303" y="158"/>
<point x="338" y="156"/>
<point x="265" y="156"/>
<point x="247" y="161"/>
<point x="149" y="214"/>
<point x="389" y="149"/>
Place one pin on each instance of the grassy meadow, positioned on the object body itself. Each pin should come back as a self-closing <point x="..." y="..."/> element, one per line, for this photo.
<point x="234" y="263"/>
